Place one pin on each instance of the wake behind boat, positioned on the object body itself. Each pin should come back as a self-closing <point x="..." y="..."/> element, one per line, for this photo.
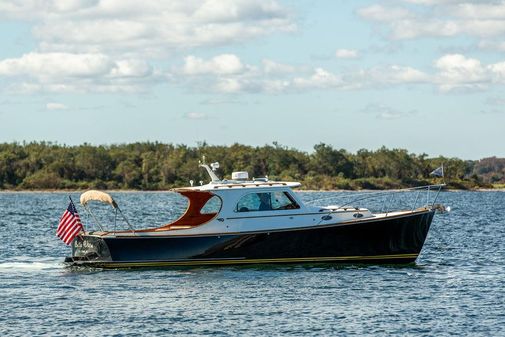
<point x="243" y="221"/>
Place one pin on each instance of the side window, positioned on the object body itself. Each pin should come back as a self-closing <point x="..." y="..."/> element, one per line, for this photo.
<point x="254" y="202"/>
<point x="282" y="200"/>
<point x="213" y="205"/>
<point x="266" y="201"/>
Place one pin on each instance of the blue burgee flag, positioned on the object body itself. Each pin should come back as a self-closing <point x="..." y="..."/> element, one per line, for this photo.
<point x="438" y="172"/>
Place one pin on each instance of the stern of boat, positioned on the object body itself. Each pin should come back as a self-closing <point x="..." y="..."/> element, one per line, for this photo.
<point x="89" y="248"/>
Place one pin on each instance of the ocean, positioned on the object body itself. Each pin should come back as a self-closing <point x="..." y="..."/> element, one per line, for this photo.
<point x="456" y="287"/>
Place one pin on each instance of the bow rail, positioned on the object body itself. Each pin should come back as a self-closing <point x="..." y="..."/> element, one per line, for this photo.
<point x="387" y="201"/>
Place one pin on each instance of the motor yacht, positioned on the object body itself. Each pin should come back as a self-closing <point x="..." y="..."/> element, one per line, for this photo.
<point x="241" y="221"/>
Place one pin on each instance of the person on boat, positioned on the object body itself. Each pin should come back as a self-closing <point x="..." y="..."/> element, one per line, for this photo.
<point x="265" y="202"/>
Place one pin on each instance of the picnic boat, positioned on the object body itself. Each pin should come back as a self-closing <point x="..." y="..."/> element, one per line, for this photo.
<point x="257" y="221"/>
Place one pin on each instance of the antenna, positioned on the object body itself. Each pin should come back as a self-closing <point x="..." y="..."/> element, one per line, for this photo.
<point x="210" y="171"/>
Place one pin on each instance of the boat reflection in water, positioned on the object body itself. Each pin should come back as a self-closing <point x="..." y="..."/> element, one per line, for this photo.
<point x="243" y="221"/>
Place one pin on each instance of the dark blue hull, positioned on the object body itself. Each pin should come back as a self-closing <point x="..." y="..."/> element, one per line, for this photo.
<point x="387" y="240"/>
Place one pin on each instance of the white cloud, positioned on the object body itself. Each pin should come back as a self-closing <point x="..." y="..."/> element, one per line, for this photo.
<point x="153" y="27"/>
<point x="228" y="85"/>
<point x="272" y="67"/>
<point x="108" y="45"/>
<point x="409" y="29"/>
<point x="56" y="106"/>
<point x="432" y="2"/>
<point x="440" y="18"/>
<point x="383" y="14"/>
<point x="67" y="72"/>
<point x="227" y="10"/>
<point x="319" y="79"/>
<point x="219" y="65"/>
<point x="395" y="74"/>
<point x="227" y="74"/>
<point x="131" y="68"/>
<point x="36" y="9"/>
<point x="491" y="10"/>
<point x="458" y="71"/>
<point x="69" y="6"/>
<point x="450" y="72"/>
<point x="56" y="64"/>
<point x="498" y="72"/>
<point x="346" y="54"/>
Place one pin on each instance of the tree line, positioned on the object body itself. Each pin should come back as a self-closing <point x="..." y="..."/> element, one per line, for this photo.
<point x="158" y="166"/>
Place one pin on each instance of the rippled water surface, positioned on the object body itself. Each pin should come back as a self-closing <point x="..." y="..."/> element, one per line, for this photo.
<point x="457" y="286"/>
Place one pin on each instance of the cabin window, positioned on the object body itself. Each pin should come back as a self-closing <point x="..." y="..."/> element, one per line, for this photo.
<point x="266" y="201"/>
<point x="213" y="205"/>
<point x="282" y="200"/>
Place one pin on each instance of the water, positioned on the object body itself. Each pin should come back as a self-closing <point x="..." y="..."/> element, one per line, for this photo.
<point x="456" y="288"/>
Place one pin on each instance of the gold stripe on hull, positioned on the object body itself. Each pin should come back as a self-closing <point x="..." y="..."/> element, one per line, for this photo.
<point x="249" y="261"/>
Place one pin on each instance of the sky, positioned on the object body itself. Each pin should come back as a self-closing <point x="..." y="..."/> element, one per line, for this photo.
<point x="424" y="75"/>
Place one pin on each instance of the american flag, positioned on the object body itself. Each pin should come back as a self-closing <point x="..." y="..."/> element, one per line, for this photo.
<point x="70" y="224"/>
